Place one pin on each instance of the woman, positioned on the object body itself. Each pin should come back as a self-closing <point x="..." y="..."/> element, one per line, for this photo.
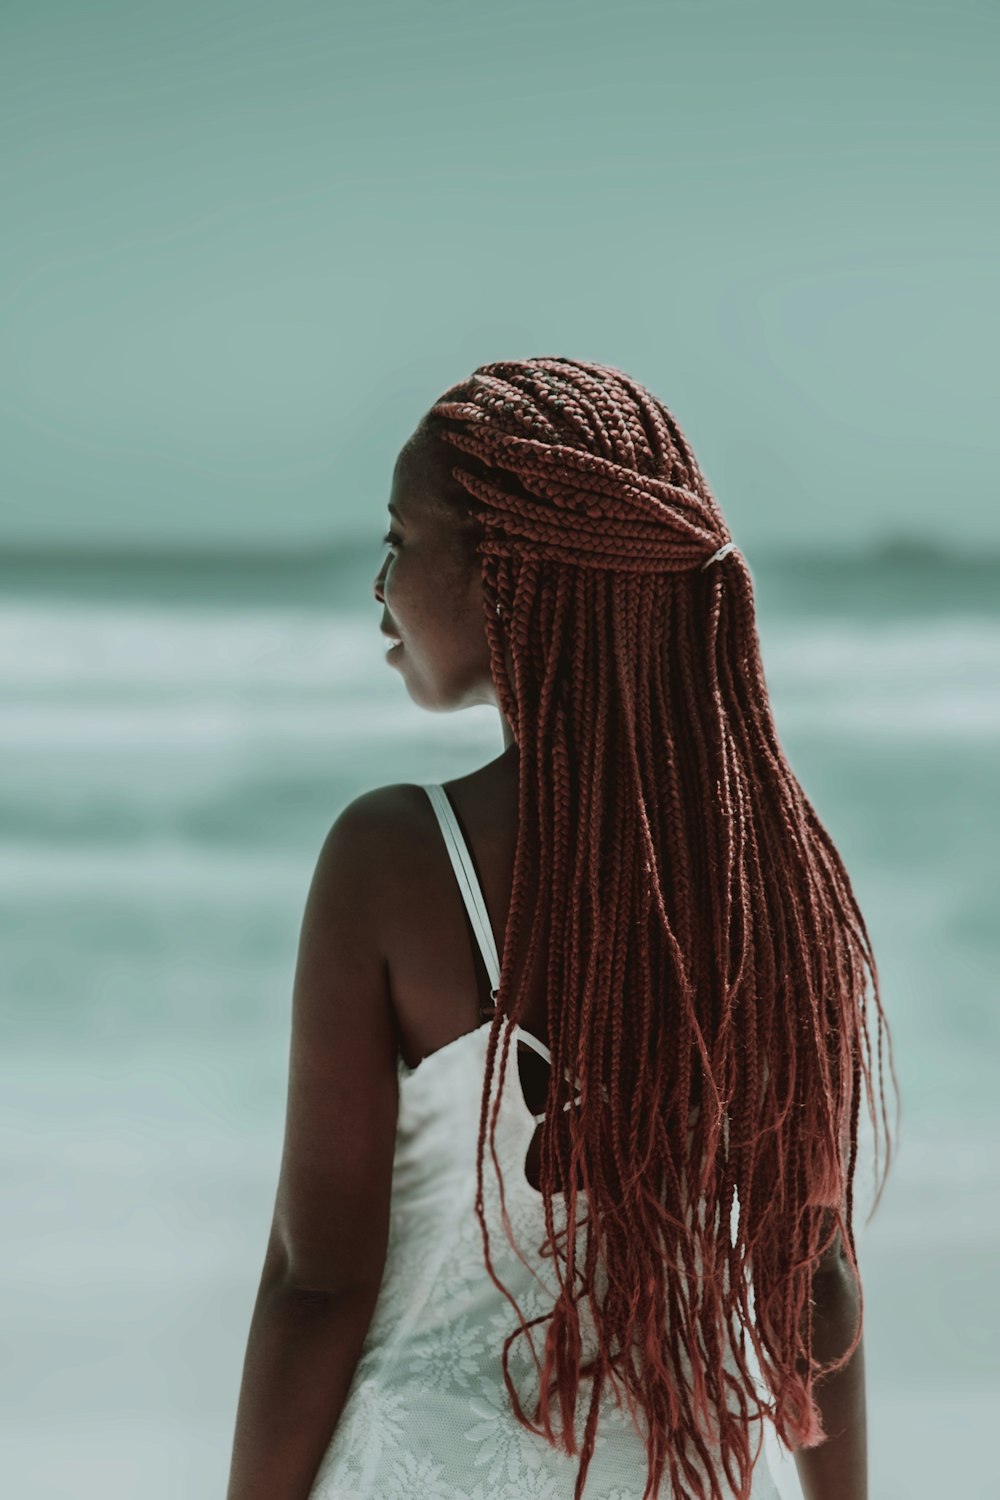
<point x="680" y="942"/>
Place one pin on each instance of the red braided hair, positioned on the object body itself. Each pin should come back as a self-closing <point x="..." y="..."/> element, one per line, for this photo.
<point x="705" y="957"/>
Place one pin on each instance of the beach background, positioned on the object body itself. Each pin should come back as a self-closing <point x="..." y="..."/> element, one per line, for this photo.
<point x="237" y="279"/>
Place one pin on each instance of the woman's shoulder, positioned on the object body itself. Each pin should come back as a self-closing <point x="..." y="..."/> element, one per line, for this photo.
<point x="384" y="818"/>
<point x="402" y="808"/>
<point x="394" y="828"/>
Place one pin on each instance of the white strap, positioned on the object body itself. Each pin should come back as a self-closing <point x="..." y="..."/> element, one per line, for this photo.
<point x="472" y="895"/>
<point x="530" y="1040"/>
<point x="468" y="884"/>
<point x="568" y="1105"/>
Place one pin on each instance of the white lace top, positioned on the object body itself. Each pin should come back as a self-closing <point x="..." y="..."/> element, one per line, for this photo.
<point x="428" y="1416"/>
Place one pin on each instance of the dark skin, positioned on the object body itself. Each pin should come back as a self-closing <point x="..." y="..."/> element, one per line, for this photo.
<point x="430" y="590"/>
<point x="387" y="965"/>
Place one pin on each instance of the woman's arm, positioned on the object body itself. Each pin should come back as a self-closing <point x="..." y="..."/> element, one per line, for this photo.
<point x="301" y="1356"/>
<point x="326" y="1251"/>
<point x="838" y="1468"/>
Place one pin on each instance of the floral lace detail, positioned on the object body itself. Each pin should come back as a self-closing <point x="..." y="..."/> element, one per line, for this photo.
<point x="428" y="1416"/>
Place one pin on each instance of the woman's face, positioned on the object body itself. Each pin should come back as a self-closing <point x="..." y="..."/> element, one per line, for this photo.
<point x="431" y="592"/>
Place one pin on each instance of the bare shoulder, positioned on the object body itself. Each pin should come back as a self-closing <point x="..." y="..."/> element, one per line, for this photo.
<point x="383" y="820"/>
<point x="390" y="832"/>
<point x="382" y="836"/>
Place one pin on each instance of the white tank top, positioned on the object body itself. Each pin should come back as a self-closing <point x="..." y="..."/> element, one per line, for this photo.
<point x="428" y="1416"/>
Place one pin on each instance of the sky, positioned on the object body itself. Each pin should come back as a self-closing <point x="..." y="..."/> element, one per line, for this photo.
<point x="247" y="245"/>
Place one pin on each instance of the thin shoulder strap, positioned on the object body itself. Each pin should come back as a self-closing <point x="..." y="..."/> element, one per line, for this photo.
<point x="468" y="883"/>
<point x="472" y="895"/>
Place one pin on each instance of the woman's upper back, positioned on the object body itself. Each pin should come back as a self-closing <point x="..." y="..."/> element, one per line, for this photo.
<point x="447" y="908"/>
<point x="438" y="977"/>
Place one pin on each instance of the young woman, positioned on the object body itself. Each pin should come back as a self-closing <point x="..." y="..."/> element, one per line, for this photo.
<point x="566" y="1200"/>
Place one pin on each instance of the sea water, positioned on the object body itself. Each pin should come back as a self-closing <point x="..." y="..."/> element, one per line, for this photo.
<point x="177" y="738"/>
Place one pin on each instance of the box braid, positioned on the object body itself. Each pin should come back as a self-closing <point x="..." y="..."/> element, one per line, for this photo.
<point x="705" y="957"/>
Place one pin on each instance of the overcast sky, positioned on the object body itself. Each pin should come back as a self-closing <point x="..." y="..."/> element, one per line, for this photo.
<point x="246" y="245"/>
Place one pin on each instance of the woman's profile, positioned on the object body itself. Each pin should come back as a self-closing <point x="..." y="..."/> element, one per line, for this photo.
<point x="579" y="1040"/>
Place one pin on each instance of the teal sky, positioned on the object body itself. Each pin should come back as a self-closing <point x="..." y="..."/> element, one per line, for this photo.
<point x="247" y="245"/>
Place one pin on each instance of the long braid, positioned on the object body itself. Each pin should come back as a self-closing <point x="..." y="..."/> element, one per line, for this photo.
<point x="704" y="957"/>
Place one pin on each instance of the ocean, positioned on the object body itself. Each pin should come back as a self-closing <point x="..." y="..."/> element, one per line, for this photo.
<point x="178" y="734"/>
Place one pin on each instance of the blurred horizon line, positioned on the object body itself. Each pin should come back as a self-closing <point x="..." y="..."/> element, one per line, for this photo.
<point x="895" y="573"/>
<point x="888" y="545"/>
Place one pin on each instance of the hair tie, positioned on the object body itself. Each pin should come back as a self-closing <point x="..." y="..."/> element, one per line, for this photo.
<point x="729" y="547"/>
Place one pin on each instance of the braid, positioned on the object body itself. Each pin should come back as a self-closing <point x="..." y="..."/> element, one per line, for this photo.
<point x="705" y="959"/>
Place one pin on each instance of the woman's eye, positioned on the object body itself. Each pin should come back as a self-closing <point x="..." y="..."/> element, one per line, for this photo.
<point x="391" y="539"/>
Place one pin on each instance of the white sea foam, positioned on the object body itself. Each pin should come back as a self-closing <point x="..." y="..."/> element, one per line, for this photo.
<point x="189" y="679"/>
